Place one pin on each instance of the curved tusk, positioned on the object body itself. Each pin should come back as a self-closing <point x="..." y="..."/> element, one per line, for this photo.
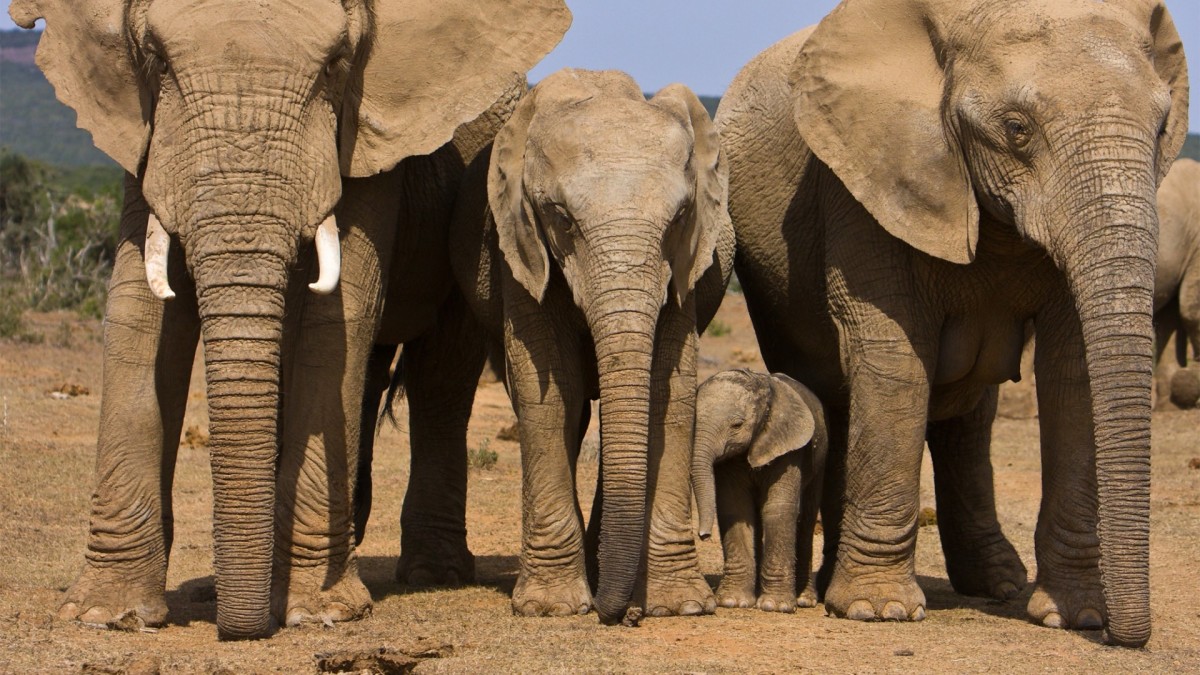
<point x="158" y="244"/>
<point x="329" y="257"/>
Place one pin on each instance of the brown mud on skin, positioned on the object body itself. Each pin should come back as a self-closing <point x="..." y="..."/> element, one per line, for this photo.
<point x="47" y="449"/>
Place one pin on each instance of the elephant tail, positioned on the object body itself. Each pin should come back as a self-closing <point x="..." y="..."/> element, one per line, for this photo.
<point x="395" y="392"/>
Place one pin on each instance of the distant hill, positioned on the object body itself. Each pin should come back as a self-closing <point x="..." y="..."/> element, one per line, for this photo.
<point x="34" y="124"/>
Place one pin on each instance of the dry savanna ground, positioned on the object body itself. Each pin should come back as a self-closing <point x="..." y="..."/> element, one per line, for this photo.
<point x="46" y="452"/>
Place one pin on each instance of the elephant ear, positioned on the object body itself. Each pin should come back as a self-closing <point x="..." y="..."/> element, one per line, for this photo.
<point x="430" y="66"/>
<point x="868" y="87"/>
<point x="517" y="231"/>
<point x="788" y="423"/>
<point x="690" y="251"/>
<point x="86" y="54"/>
<point x="1171" y="66"/>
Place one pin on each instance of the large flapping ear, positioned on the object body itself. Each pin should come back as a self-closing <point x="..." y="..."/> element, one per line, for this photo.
<point x="1171" y="66"/>
<point x="868" y="88"/>
<point x="86" y="54"/>
<point x="788" y="425"/>
<point x="430" y="66"/>
<point x="517" y="231"/>
<point x="691" y="250"/>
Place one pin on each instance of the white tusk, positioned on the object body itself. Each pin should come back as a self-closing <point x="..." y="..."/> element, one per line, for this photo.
<point x="329" y="257"/>
<point x="158" y="244"/>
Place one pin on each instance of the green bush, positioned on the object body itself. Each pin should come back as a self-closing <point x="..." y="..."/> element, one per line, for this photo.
<point x="717" y="328"/>
<point x="482" y="457"/>
<point x="58" y="236"/>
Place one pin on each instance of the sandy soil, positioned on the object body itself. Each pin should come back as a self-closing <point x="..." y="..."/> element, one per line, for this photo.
<point x="46" y="451"/>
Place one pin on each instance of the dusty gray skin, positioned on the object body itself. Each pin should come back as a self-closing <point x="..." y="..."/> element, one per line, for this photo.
<point x="910" y="183"/>
<point x="603" y="246"/>
<point x="757" y="467"/>
<point x="253" y="143"/>
<point x="1177" y="282"/>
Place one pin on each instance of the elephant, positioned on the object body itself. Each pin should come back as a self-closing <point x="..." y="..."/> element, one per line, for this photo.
<point x="910" y="182"/>
<point x="260" y="149"/>
<point x="601" y="245"/>
<point x="757" y="467"/>
<point x="1177" y="282"/>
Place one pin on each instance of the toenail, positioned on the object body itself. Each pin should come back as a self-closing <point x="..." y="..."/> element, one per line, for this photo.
<point x="1006" y="590"/>
<point x="690" y="608"/>
<point x="1052" y="620"/>
<point x="860" y="610"/>
<point x="918" y="614"/>
<point x="659" y="611"/>
<point x="583" y="609"/>
<point x="1089" y="619"/>
<point x="894" y="611"/>
<point x="97" y="616"/>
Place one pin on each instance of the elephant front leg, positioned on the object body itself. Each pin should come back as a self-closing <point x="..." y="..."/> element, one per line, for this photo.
<point x="874" y="576"/>
<point x="979" y="559"/>
<point x="315" y="576"/>
<point x="545" y="386"/>
<point x="1068" y="593"/>
<point x="674" y="584"/>
<point x="737" y="518"/>
<point x="441" y="374"/>
<point x="780" y="514"/>
<point x="149" y="346"/>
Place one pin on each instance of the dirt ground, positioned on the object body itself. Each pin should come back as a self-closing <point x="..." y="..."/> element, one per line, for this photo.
<point x="47" y="443"/>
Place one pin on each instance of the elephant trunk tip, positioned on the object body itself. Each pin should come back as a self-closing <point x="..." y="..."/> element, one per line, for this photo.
<point x="705" y="534"/>
<point x="1136" y="640"/>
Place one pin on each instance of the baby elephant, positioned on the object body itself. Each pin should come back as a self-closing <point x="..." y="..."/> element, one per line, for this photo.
<point x="757" y="468"/>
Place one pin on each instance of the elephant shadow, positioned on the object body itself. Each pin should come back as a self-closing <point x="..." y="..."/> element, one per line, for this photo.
<point x="194" y="600"/>
<point x="378" y="572"/>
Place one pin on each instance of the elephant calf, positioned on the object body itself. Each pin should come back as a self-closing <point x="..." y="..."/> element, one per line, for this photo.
<point x="756" y="468"/>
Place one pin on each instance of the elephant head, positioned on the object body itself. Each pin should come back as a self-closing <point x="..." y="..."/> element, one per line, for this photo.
<point x="240" y="119"/>
<point x="742" y="413"/>
<point x="1057" y="119"/>
<point x="624" y="197"/>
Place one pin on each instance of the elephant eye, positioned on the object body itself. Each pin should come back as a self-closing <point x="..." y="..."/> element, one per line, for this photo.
<point x="564" y="217"/>
<point x="1017" y="132"/>
<point x="736" y="424"/>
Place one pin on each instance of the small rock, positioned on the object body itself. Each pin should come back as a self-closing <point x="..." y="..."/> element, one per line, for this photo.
<point x="1194" y="463"/>
<point x="69" y="390"/>
<point x="195" y="437"/>
<point x="511" y="432"/>
<point x="902" y="652"/>
<point x="927" y="516"/>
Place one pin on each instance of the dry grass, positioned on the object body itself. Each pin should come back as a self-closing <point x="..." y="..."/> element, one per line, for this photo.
<point x="47" y="445"/>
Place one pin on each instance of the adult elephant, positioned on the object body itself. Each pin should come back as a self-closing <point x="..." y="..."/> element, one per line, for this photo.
<point x="599" y="249"/>
<point x="1177" y="281"/>
<point x="248" y="133"/>
<point x="910" y="182"/>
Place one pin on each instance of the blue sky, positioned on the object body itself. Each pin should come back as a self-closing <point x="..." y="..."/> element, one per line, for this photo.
<point x="703" y="43"/>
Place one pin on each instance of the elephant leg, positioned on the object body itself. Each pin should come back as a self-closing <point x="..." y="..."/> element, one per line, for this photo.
<point x="674" y="584"/>
<point x="149" y="346"/>
<point x="441" y="374"/>
<point x="378" y="378"/>
<point x="1166" y="324"/>
<point x="737" y="518"/>
<point x="1185" y="385"/>
<point x="315" y="576"/>
<point x="1068" y="593"/>
<point x="806" y="524"/>
<point x="979" y="559"/>
<point x="778" y="519"/>
<point x="545" y="383"/>
<point x="832" y="496"/>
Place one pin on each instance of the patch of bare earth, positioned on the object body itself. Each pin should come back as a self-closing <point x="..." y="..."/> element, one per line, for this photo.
<point x="46" y="451"/>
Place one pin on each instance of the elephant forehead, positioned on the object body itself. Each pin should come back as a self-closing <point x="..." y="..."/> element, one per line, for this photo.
<point x="610" y="131"/>
<point x="259" y="32"/>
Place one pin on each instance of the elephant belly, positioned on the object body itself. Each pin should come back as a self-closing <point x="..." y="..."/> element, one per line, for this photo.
<point x="981" y="352"/>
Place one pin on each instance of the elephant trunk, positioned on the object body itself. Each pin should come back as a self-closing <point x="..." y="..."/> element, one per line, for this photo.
<point x="704" y="456"/>
<point x="241" y="302"/>
<point x="623" y="322"/>
<point x="1111" y="274"/>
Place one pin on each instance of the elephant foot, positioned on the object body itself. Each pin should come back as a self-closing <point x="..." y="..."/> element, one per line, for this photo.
<point x="535" y="596"/>
<point x="777" y="602"/>
<point x="1185" y="388"/>
<point x="991" y="570"/>
<point x="808" y="597"/>
<point x="735" y="594"/>
<point x="108" y="600"/>
<point x="436" y="563"/>
<point x="1077" y="609"/>
<point x="308" y="599"/>
<point x="686" y="595"/>
<point x="874" y="596"/>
